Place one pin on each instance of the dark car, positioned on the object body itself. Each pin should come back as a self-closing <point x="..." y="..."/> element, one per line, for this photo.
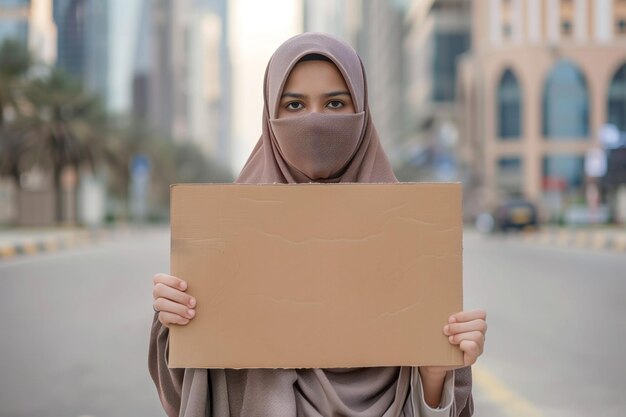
<point x="516" y="214"/>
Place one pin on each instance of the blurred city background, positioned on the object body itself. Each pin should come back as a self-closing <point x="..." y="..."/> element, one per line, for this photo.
<point x="104" y="104"/>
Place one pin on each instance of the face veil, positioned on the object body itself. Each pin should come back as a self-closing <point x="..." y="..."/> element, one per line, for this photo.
<point x="318" y="145"/>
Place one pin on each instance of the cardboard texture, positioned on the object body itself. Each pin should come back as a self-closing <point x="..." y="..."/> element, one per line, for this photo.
<point x="317" y="275"/>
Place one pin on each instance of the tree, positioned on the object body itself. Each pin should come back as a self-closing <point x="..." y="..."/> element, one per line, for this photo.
<point x="62" y="126"/>
<point x="55" y="123"/>
<point x="15" y="61"/>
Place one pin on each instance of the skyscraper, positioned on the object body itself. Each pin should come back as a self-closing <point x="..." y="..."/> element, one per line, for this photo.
<point x="96" y="43"/>
<point x="69" y="16"/>
<point x="182" y="72"/>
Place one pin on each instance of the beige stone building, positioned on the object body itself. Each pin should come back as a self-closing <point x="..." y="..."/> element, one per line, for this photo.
<point x="542" y="78"/>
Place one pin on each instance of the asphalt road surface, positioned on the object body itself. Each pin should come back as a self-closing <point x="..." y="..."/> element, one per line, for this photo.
<point x="75" y="327"/>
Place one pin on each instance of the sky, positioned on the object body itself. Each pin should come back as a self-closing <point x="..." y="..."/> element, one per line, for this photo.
<point x="257" y="28"/>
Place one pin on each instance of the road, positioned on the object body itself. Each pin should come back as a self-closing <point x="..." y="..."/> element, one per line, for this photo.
<point x="75" y="327"/>
<point x="555" y="344"/>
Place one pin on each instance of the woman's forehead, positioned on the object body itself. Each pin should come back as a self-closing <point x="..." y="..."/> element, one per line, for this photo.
<point x="315" y="76"/>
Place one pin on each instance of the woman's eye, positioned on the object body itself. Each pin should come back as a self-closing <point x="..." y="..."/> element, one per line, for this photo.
<point x="335" y="104"/>
<point x="294" y="105"/>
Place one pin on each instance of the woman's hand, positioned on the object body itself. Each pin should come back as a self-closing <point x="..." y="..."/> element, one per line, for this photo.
<point x="173" y="304"/>
<point x="466" y="329"/>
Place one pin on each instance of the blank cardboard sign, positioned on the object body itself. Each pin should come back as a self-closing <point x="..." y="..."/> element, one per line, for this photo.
<point x="317" y="275"/>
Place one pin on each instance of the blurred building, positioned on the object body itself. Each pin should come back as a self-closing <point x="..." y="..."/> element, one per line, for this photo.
<point x="438" y="32"/>
<point x="542" y="78"/>
<point x="381" y="37"/>
<point x="30" y="22"/>
<point x="182" y="82"/>
<point x="96" y="43"/>
<point x="69" y="16"/>
<point x="341" y="18"/>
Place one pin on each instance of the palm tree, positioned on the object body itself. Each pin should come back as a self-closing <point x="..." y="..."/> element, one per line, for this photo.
<point x="15" y="61"/>
<point x="63" y="126"/>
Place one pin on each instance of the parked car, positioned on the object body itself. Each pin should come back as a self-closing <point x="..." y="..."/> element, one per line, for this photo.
<point x="515" y="214"/>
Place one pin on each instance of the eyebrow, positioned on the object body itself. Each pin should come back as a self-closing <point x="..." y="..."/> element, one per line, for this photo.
<point x="331" y="94"/>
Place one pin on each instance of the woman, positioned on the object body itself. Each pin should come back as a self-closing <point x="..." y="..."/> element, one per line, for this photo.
<point x="315" y="92"/>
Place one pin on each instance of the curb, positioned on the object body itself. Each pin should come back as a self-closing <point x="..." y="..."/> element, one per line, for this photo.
<point x="31" y="246"/>
<point x="582" y="239"/>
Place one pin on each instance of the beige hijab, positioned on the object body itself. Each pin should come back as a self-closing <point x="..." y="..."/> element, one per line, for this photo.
<point x="266" y="164"/>
<point x="358" y="392"/>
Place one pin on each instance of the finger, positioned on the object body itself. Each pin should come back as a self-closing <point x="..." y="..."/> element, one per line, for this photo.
<point x="464" y="316"/>
<point x="168" y="306"/>
<point x="477" y="337"/>
<point x="170" y="281"/>
<point x="161" y="290"/>
<point x="170" y="318"/>
<point x="471" y="351"/>
<point x="470" y="326"/>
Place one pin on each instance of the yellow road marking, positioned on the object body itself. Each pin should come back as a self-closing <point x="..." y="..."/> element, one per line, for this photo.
<point x="51" y="245"/>
<point x="506" y="399"/>
<point x="599" y="240"/>
<point x="30" y="248"/>
<point x="620" y="243"/>
<point x="581" y="238"/>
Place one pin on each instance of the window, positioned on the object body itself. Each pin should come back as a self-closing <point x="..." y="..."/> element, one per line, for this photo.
<point x="565" y="103"/>
<point x="568" y="168"/>
<point x="510" y="176"/>
<point x="447" y="47"/>
<point x="506" y="30"/>
<point x="509" y="106"/>
<point x="617" y="99"/>
<point x="567" y="9"/>
<point x="566" y="28"/>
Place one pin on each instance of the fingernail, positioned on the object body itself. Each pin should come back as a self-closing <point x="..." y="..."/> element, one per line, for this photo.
<point x="183" y="285"/>
<point x="446" y="329"/>
<point x="451" y="320"/>
<point x="192" y="302"/>
<point x="190" y="313"/>
<point x="451" y="339"/>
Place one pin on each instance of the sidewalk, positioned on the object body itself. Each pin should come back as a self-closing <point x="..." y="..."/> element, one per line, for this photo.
<point x="600" y="238"/>
<point x="14" y="242"/>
